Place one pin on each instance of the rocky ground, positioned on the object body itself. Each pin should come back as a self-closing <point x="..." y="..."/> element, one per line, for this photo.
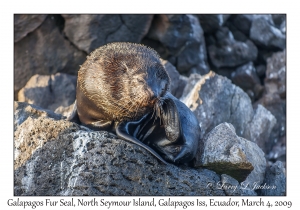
<point x="230" y="70"/>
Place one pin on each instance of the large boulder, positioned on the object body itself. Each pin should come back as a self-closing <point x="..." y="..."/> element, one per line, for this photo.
<point x="44" y="51"/>
<point x="226" y="153"/>
<point x="89" y="32"/>
<point x="210" y="23"/>
<point x="229" y="52"/>
<point x="49" y="91"/>
<point x="25" y="23"/>
<point x="179" y="39"/>
<point x="265" y="34"/>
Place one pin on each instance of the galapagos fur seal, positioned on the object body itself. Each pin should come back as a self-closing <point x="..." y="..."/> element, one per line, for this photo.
<point x="123" y="88"/>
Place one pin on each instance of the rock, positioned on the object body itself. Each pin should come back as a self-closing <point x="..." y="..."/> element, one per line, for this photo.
<point x="210" y="23"/>
<point x="230" y="185"/>
<point x="246" y="78"/>
<point x="261" y="126"/>
<point x="265" y="34"/>
<point x="89" y="32"/>
<point x="65" y="111"/>
<point x="275" y="181"/>
<point x="178" y="81"/>
<point x="228" y="52"/>
<point x="49" y="91"/>
<point x="277" y="107"/>
<point x="215" y="100"/>
<point x="55" y="157"/>
<point x="275" y="80"/>
<point x="226" y="153"/>
<point x="44" y="51"/>
<point x="182" y="40"/>
<point x="22" y="111"/>
<point x="278" y="151"/>
<point x="278" y="19"/>
<point x="24" y="24"/>
<point x="244" y="22"/>
<point x="260" y="70"/>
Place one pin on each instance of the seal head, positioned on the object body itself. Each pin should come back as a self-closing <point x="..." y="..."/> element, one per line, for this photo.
<point x="122" y="81"/>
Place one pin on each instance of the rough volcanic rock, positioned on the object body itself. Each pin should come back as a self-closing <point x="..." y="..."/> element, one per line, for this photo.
<point x="25" y="23"/>
<point x="278" y="19"/>
<point x="226" y="153"/>
<point x="243" y="22"/>
<point x="177" y="82"/>
<point x="44" y="51"/>
<point x="22" y="111"/>
<point x="261" y="126"/>
<point x="277" y="107"/>
<point x="210" y="23"/>
<point x="49" y="91"/>
<point x="230" y="185"/>
<point x="246" y="78"/>
<point x="275" y="181"/>
<point x="275" y="80"/>
<point x="182" y="41"/>
<point x="265" y="34"/>
<point x="54" y="157"/>
<point x="214" y="100"/>
<point x="261" y="70"/>
<point x="89" y="32"/>
<point x="228" y="52"/>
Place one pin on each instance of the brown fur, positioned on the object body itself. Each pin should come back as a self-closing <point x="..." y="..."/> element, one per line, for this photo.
<point x="123" y="80"/>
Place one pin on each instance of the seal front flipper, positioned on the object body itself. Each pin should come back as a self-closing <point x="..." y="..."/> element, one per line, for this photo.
<point x="178" y="116"/>
<point x="123" y="131"/>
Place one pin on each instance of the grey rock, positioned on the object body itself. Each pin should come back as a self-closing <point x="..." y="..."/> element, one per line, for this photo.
<point x="44" y="51"/>
<point x="49" y="91"/>
<point x="65" y="110"/>
<point x="177" y="82"/>
<point x="261" y="70"/>
<point x="265" y="34"/>
<point x="261" y="126"/>
<point x="275" y="180"/>
<point x="275" y="80"/>
<point x="25" y="23"/>
<point x="278" y="151"/>
<point x="183" y="41"/>
<point x="246" y="78"/>
<point x="278" y="19"/>
<point x="243" y="22"/>
<point x="210" y="23"/>
<point x="277" y="107"/>
<point x="89" y="32"/>
<point x="228" y="52"/>
<point x="215" y="100"/>
<point x="230" y="185"/>
<point x="226" y="153"/>
<point x="54" y="157"/>
<point x="22" y="111"/>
